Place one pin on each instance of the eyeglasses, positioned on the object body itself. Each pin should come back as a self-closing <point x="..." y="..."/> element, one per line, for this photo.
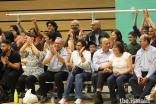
<point x="57" y="43"/>
<point x="92" y="25"/>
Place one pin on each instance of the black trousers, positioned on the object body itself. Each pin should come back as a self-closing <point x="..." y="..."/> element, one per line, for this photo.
<point x="28" y="81"/>
<point x="98" y="79"/>
<point x="133" y="81"/>
<point x="12" y="79"/>
<point x="58" y="77"/>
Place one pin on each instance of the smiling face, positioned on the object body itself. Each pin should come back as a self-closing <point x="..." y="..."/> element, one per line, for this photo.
<point x="74" y="25"/>
<point x="113" y="36"/>
<point x="151" y="32"/>
<point x="58" y="44"/>
<point x="131" y="38"/>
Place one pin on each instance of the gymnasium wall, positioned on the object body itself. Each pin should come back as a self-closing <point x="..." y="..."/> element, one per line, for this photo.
<point x="124" y="21"/>
<point x="22" y="6"/>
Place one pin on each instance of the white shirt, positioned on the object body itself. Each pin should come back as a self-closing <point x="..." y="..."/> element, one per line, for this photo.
<point x="100" y="58"/>
<point x="145" y="61"/>
<point x="76" y="60"/>
<point x="119" y="64"/>
<point x="97" y="39"/>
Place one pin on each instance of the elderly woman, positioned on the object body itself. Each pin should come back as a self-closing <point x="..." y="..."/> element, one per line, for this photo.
<point x="80" y="58"/>
<point x="33" y="67"/>
<point x="121" y="63"/>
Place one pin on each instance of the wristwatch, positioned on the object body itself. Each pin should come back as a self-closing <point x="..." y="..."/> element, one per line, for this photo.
<point x="81" y="55"/>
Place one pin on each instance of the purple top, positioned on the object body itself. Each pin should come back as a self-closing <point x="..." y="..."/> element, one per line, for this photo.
<point x="136" y="30"/>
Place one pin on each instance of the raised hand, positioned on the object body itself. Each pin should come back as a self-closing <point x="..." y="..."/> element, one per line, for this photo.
<point x="30" y="40"/>
<point x="136" y="12"/>
<point x="82" y="49"/>
<point x="4" y="59"/>
<point x="33" y="20"/>
<point x="146" y="14"/>
<point x="52" y="49"/>
<point x="68" y="50"/>
<point x="18" y="22"/>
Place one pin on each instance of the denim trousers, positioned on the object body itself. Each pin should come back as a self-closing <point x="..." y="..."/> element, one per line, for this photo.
<point x="119" y="82"/>
<point x="78" y="78"/>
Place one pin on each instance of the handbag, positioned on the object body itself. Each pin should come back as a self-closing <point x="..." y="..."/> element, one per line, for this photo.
<point x="77" y="70"/>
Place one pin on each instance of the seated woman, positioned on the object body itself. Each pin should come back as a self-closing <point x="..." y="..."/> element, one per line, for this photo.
<point x="81" y="58"/>
<point x="9" y="35"/>
<point x="33" y="67"/>
<point x="19" y="40"/>
<point x="121" y="63"/>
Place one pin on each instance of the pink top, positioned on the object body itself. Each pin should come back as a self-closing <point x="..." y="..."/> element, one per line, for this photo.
<point x="19" y="39"/>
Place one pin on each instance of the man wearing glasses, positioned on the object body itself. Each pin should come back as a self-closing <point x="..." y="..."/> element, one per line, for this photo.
<point x="96" y="33"/>
<point x="57" y="70"/>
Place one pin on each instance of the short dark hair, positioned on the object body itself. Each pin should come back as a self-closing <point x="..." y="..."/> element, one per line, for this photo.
<point x="51" y="36"/>
<point x="83" y="42"/>
<point x="30" y="35"/>
<point x="133" y="34"/>
<point x="120" y="46"/>
<point x="52" y="23"/>
<point x="147" y="38"/>
<point x="8" y="42"/>
<point x="38" y="46"/>
<point x="9" y="35"/>
<point x="34" y="30"/>
<point x="15" y="28"/>
<point x="118" y="35"/>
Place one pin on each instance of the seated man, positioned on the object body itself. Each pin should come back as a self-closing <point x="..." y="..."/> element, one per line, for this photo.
<point x="145" y="67"/>
<point x="100" y="59"/>
<point x="11" y="64"/>
<point x="57" y="70"/>
<point x="96" y="33"/>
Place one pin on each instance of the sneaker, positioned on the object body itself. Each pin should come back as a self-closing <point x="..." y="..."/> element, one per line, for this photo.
<point x="63" y="101"/>
<point x="78" y="101"/>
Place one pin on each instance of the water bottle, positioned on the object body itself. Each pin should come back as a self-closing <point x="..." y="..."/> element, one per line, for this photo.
<point x="15" y="97"/>
<point x="52" y="100"/>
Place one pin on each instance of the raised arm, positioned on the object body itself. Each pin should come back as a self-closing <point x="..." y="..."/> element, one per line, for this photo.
<point x="142" y="24"/>
<point x="136" y="30"/>
<point x="148" y="19"/>
<point x="22" y="28"/>
<point x="36" y="27"/>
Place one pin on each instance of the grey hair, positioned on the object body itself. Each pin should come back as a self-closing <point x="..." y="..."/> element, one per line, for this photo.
<point x="76" y="21"/>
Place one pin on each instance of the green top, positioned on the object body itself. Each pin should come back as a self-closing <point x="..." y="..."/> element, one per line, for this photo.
<point x="133" y="48"/>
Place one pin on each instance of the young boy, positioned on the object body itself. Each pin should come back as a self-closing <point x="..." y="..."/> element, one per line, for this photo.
<point x="133" y="47"/>
<point x="92" y="48"/>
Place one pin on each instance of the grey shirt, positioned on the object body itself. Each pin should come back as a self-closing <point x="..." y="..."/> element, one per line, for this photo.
<point x="145" y="61"/>
<point x="101" y="58"/>
<point x="55" y="65"/>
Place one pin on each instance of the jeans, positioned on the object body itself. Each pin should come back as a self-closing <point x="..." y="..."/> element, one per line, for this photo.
<point x="119" y="81"/>
<point x="78" y="78"/>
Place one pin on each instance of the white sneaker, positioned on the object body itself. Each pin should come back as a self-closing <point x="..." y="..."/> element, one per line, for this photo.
<point x="63" y="101"/>
<point x="78" y="101"/>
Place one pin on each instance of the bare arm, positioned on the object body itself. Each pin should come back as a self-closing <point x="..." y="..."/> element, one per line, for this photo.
<point x="36" y="27"/>
<point x="23" y="48"/>
<point x="14" y="65"/>
<point x="47" y="60"/>
<point x="22" y="28"/>
<point x="35" y="50"/>
<point x="135" y="18"/>
<point x="129" y="66"/>
<point x="142" y="24"/>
